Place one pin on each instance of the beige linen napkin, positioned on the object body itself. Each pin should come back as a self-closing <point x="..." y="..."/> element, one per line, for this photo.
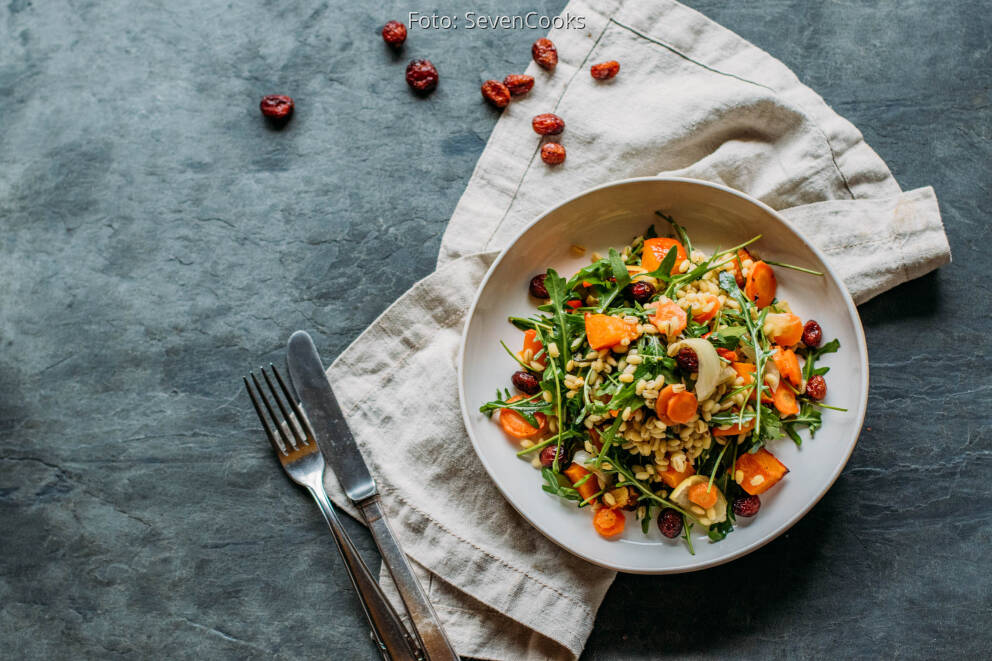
<point x="691" y="99"/>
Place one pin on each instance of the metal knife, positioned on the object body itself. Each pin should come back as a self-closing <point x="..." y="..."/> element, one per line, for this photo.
<point x="341" y="453"/>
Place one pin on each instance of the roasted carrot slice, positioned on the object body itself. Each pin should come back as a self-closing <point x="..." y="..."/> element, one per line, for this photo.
<point x="681" y="407"/>
<point x="727" y="354"/>
<point x="785" y="400"/>
<point x="733" y="430"/>
<point x="609" y="522"/>
<point x="668" y="317"/>
<point x="655" y="251"/>
<point x="761" y="285"/>
<point x="661" y="405"/>
<point x="789" y="330"/>
<point x="742" y="254"/>
<point x="708" y="309"/>
<point x="788" y="364"/>
<point x="515" y="425"/>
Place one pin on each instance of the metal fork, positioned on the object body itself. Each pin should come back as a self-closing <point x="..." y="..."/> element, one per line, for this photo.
<point x="292" y="439"/>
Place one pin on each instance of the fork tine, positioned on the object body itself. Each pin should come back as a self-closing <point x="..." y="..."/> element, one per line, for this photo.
<point x="261" y="416"/>
<point x="297" y="411"/>
<point x="298" y="439"/>
<point x="272" y="414"/>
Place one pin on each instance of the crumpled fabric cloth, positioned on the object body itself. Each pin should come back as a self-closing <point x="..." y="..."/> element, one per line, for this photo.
<point x="692" y="99"/>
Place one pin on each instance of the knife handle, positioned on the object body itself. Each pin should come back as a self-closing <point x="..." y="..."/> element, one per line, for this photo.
<point x="391" y="636"/>
<point x="425" y="622"/>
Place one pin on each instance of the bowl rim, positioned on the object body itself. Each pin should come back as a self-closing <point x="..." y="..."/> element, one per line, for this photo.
<point x="791" y="521"/>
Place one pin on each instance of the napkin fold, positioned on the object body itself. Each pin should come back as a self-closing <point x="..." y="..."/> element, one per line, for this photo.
<point x="692" y="99"/>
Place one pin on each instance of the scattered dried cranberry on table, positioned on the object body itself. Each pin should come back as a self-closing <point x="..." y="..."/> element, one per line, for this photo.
<point x="394" y="33"/>
<point x="604" y="70"/>
<point x="518" y="83"/>
<point x="545" y="53"/>
<point x="277" y="107"/>
<point x="552" y="153"/>
<point x="548" y="124"/>
<point x="421" y="75"/>
<point x="496" y="93"/>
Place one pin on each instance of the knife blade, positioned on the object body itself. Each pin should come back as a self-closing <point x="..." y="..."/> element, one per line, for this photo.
<point x="341" y="452"/>
<point x="324" y="413"/>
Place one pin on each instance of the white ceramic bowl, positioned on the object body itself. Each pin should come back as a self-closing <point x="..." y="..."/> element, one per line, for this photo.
<point x="715" y="217"/>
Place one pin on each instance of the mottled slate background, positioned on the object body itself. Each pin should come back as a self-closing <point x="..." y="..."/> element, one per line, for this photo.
<point x="157" y="239"/>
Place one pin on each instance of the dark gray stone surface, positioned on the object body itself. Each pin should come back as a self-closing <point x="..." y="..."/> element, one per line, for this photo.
<point x="157" y="239"/>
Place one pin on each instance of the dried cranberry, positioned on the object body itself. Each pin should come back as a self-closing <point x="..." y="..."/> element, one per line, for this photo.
<point x="812" y="334"/>
<point x="496" y="93"/>
<point x="548" y="124"/>
<point x="545" y="53"/>
<point x="394" y="33"/>
<point x="548" y="456"/>
<point x="687" y="360"/>
<point x="537" y="288"/>
<point x="816" y="387"/>
<point x="277" y="107"/>
<point x="746" y="505"/>
<point x="670" y="523"/>
<point x="421" y="75"/>
<point x="552" y="153"/>
<point x="641" y="292"/>
<point x="526" y="382"/>
<point x="604" y="70"/>
<point x="518" y="83"/>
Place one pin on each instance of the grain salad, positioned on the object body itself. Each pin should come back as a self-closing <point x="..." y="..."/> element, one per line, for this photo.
<point x="651" y="381"/>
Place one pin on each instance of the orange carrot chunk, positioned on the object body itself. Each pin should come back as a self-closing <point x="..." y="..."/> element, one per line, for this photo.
<point x="727" y="354"/>
<point x="785" y="400"/>
<point x="742" y="255"/>
<point x="702" y="494"/>
<point x="733" y="430"/>
<point x="681" y="407"/>
<point x="531" y="342"/>
<point x="515" y="425"/>
<point x="761" y="285"/>
<point x="673" y="478"/>
<point x="605" y="331"/>
<point x="609" y="522"/>
<point x="668" y="317"/>
<point x="575" y="472"/>
<point x="655" y="251"/>
<point x="758" y="472"/>
<point x="708" y="309"/>
<point x="788" y="364"/>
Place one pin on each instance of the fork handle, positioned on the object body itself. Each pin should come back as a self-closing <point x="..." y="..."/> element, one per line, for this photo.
<point x="425" y="621"/>
<point x="392" y="637"/>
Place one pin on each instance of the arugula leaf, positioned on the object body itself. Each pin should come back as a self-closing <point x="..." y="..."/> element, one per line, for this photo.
<point x="680" y="231"/>
<point x="728" y="338"/>
<point x="718" y="531"/>
<point x="664" y="270"/>
<point x="525" y="407"/>
<point x="813" y="354"/>
<point x="558" y="292"/>
<point x="808" y="415"/>
<point x="619" y="269"/>
<point x="559" y="485"/>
